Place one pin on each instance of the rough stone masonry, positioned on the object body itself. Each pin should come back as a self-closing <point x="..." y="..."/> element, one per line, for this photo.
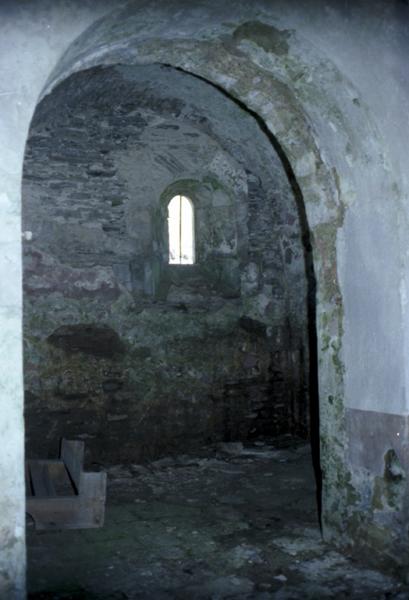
<point x="134" y="355"/>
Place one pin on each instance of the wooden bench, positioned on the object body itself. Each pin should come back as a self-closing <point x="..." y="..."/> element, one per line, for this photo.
<point x="60" y="495"/>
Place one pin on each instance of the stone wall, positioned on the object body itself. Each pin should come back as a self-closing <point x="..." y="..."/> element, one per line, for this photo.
<point x="136" y="356"/>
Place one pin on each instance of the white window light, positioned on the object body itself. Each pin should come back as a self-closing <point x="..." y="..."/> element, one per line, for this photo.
<point x="181" y="228"/>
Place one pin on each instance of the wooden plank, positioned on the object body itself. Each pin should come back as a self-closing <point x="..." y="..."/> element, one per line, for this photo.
<point x="93" y="485"/>
<point x="64" y="496"/>
<point x="41" y="480"/>
<point x="72" y="454"/>
<point x="61" y="479"/>
<point x="53" y="513"/>
<point x="93" y="497"/>
<point x="75" y="512"/>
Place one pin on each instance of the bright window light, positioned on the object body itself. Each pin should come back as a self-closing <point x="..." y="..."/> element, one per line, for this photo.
<point x="181" y="231"/>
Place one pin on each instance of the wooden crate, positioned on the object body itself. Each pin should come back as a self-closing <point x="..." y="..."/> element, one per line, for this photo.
<point x="60" y="495"/>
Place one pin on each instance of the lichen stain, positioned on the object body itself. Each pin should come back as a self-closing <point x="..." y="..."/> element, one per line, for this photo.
<point x="266" y="36"/>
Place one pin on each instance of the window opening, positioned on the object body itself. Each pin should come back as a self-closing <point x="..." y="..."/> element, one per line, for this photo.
<point x="181" y="231"/>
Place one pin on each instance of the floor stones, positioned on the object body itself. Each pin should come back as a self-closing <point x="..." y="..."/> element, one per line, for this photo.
<point x="230" y="522"/>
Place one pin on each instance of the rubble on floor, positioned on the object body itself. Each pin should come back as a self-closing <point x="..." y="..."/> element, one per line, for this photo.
<point x="231" y="522"/>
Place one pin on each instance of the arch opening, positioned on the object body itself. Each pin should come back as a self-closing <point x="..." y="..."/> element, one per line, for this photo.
<point x="245" y="304"/>
<point x="300" y="87"/>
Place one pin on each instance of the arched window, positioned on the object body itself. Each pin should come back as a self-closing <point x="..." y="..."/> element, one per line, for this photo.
<point x="181" y="227"/>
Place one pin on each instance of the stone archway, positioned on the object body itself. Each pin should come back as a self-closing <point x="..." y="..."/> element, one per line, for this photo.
<point x="283" y="117"/>
<point x="327" y="139"/>
<point x="351" y="165"/>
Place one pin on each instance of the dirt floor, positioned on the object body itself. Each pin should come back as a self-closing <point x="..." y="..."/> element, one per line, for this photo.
<point x="227" y="523"/>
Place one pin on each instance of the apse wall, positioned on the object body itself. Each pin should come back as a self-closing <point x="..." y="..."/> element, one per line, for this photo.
<point x="133" y="355"/>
